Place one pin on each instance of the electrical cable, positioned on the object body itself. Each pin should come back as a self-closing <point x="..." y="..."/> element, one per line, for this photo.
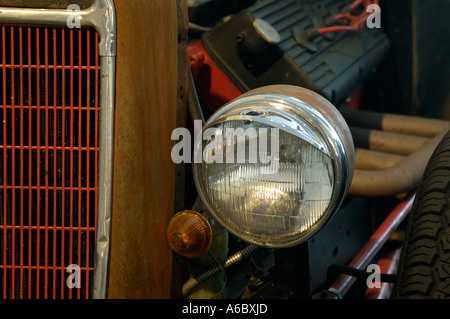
<point x="336" y="269"/>
<point x="355" y="23"/>
<point x="234" y="259"/>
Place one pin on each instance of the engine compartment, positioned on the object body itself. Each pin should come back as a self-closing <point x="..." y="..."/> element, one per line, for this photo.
<point x="237" y="46"/>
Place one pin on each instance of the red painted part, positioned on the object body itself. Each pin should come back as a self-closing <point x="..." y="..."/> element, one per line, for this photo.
<point x="214" y="88"/>
<point x="388" y="264"/>
<point x="355" y="100"/>
<point x="374" y="244"/>
<point x="49" y="115"/>
<point x="355" y="22"/>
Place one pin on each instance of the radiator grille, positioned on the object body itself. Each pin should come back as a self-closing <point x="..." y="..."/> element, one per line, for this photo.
<point x="49" y="115"/>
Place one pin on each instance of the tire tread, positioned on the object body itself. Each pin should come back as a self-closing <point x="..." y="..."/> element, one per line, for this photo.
<point x="424" y="267"/>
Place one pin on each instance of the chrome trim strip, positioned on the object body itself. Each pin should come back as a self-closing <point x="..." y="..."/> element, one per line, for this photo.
<point x="102" y="17"/>
<point x="105" y="182"/>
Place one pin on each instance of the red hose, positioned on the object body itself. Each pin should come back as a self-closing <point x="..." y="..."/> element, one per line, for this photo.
<point x="337" y="29"/>
<point x="355" y="22"/>
<point x="355" y="4"/>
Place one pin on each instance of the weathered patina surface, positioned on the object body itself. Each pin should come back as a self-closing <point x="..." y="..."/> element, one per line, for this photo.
<point x="150" y="101"/>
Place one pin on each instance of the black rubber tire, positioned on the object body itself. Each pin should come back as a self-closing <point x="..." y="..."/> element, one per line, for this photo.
<point x="424" y="266"/>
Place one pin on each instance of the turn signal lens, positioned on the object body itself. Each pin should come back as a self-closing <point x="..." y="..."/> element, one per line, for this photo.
<point x="189" y="234"/>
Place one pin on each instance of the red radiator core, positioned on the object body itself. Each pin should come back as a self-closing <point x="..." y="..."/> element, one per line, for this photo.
<point x="49" y="115"/>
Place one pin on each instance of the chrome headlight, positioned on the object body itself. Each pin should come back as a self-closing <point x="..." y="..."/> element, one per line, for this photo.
<point x="273" y="165"/>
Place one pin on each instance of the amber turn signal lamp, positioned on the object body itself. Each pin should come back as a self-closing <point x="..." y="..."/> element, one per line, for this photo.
<point x="189" y="234"/>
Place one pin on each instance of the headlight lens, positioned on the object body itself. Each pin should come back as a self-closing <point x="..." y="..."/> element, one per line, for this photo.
<point x="274" y="167"/>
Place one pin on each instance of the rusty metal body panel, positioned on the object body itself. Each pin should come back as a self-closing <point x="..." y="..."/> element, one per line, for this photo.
<point x="151" y="83"/>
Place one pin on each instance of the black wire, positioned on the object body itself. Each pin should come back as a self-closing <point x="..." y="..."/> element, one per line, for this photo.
<point x="337" y="269"/>
<point x="222" y="268"/>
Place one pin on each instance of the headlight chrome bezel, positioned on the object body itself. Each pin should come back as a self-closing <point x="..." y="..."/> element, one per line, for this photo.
<point x="304" y="114"/>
